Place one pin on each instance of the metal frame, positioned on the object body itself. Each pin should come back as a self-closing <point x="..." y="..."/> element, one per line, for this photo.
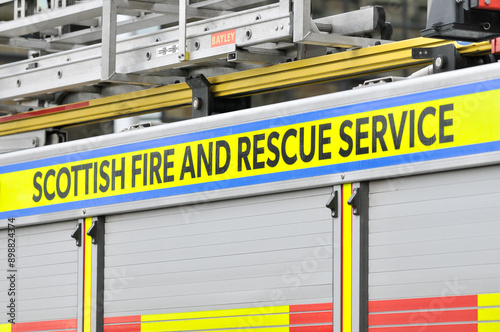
<point x="307" y="32"/>
<point x="327" y="68"/>
<point x="138" y="55"/>
<point x="354" y="292"/>
<point x="260" y="33"/>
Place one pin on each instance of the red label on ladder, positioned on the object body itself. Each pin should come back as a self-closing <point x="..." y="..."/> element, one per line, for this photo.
<point x="224" y="38"/>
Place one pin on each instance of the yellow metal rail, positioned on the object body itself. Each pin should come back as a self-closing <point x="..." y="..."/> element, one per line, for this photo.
<point x="337" y="66"/>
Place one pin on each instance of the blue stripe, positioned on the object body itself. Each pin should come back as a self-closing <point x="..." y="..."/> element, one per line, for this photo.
<point x="260" y="179"/>
<point x="260" y="125"/>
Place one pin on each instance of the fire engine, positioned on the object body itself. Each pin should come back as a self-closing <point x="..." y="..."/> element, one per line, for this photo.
<point x="372" y="209"/>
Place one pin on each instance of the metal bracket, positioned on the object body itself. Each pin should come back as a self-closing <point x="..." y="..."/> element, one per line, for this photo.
<point x="32" y="139"/>
<point x="96" y="230"/>
<point x="465" y="20"/>
<point x="447" y="58"/>
<point x="92" y="232"/>
<point x="77" y="234"/>
<point x="204" y="103"/>
<point x="203" y="99"/>
<point x="347" y="30"/>
<point x="333" y="204"/>
<point x="354" y="202"/>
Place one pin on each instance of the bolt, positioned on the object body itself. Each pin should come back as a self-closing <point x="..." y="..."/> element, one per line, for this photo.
<point x="275" y="28"/>
<point x="197" y="103"/>
<point x="486" y="26"/>
<point x="342" y="176"/>
<point x="439" y="62"/>
<point x="487" y="2"/>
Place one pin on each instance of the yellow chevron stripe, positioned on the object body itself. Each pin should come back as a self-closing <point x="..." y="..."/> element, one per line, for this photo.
<point x="488" y="300"/>
<point x="217" y="313"/>
<point x="237" y="322"/>
<point x="488" y="327"/>
<point x="5" y="327"/>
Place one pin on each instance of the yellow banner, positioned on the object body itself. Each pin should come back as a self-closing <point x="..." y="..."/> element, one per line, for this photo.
<point x="345" y="136"/>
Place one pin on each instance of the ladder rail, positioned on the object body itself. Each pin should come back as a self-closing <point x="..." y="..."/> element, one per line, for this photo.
<point x="303" y="72"/>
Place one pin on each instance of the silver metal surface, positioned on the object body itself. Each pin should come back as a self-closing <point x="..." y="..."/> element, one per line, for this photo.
<point x="109" y="21"/>
<point x="252" y="24"/>
<point x="233" y="253"/>
<point x="138" y="54"/>
<point x="36" y="23"/>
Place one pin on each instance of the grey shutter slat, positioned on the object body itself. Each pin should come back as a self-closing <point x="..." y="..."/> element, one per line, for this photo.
<point x="231" y="254"/>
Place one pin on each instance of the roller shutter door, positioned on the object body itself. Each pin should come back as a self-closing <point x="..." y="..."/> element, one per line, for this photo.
<point x="434" y="250"/>
<point x="46" y="277"/>
<point x="268" y="255"/>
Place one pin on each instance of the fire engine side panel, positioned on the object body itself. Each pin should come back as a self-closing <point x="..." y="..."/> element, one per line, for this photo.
<point x="433" y="123"/>
<point x="262" y="251"/>
<point x="46" y="273"/>
<point x="434" y="237"/>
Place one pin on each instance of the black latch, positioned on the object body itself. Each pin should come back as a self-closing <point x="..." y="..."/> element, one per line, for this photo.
<point x="92" y="232"/>
<point x="333" y="204"/>
<point x="354" y="202"/>
<point x="77" y="234"/>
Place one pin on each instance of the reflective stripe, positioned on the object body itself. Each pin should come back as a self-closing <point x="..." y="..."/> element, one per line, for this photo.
<point x="469" y="313"/>
<point x="5" y="328"/>
<point x="488" y="327"/>
<point x="430" y="328"/>
<point x="63" y="325"/>
<point x="216" y="313"/>
<point x="87" y="279"/>
<point x="346" y="259"/>
<point x="294" y="318"/>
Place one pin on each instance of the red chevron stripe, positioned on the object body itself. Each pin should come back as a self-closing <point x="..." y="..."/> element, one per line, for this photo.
<point x="424" y="317"/>
<point x="423" y="303"/>
<point x="432" y="328"/>
<point x="63" y="324"/>
<point x="311" y="318"/>
<point x="326" y="328"/>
